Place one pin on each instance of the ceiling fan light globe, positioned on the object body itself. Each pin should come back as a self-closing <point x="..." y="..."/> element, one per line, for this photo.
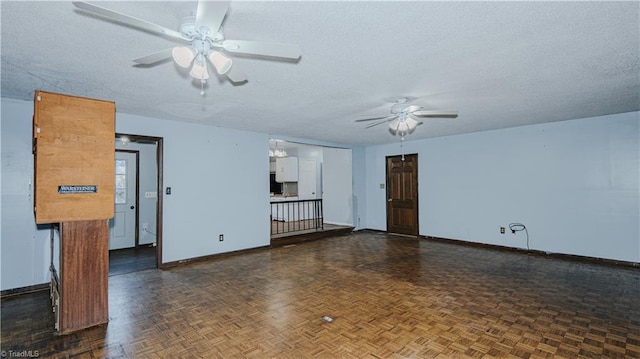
<point x="220" y="62"/>
<point x="199" y="73"/>
<point x="404" y="126"/>
<point x="199" y="69"/>
<point x="410" y="123"/>
<point x="395" y="125"/>
<point x="183" y="55"/>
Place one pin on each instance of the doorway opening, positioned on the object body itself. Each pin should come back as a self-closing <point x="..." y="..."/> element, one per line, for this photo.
<point x="135" y="232"/>
<point x="402" y="194"/>
<point x="310" y="189"/>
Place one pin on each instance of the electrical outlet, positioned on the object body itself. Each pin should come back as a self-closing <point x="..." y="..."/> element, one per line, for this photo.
<point x="145" y="226"/>
<point x="221" y="237"/>
<point x="502" y="229"/>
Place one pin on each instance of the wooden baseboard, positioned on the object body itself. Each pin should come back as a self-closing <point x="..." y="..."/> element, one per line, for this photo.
<point x="573" y="257"/>
<point x="311" y="236"/>
<point x="24" y="290"/>
<point x="210" y="257"/>
<point x="274" y="243"/>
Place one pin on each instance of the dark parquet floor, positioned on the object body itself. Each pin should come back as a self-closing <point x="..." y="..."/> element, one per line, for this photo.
<point x="129" y="260"/>
<point x="389" y="297"/>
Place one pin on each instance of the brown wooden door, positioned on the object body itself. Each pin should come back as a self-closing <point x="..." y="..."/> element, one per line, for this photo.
<point x="402" y="194"/>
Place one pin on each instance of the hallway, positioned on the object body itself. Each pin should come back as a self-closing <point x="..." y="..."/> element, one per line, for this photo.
<point x="130" y="260"/>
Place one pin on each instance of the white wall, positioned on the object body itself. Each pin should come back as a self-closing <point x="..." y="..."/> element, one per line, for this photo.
<point x="24" y="250"/>
<point x="574" y="184"/>
<point x="219" y="179"/>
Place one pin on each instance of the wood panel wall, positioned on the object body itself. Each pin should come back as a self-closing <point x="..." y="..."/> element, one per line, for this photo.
<point x="84" y="275"/>
<point x="73" y="148"/>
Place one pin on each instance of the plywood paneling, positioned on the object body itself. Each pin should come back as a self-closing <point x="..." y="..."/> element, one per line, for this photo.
<point x="73" y="146"/>
<point x="84" y="272"/>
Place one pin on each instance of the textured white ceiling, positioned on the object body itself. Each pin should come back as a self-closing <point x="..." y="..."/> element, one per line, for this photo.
<point x="500" y="64"/>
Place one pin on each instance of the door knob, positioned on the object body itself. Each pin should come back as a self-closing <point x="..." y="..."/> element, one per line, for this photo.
<point x="132" y="207"/>
<point x="390" y="199"/>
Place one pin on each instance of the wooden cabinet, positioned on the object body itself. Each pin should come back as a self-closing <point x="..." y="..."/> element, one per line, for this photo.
<point x="74" y="160"/>
<point x="79" y="275"/>
<point x="74" y="152"/>
<point x="287" y="169"/>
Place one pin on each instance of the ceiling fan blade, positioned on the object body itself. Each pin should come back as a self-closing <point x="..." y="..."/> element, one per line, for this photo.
<point x="210" y="14"/>
<point x="375" y="118"/>
<point x="443" y="114"/>
<point x="154" y="57"/>
<point x="128" y="20"/>
<point x="415" y="118"/>
<point x="378" y="123"/>
<point x="236" y="75"/>
<point x="272" y="49"/>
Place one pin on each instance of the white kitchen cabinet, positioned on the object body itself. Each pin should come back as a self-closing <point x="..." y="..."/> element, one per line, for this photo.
<point x="287" y="169"/>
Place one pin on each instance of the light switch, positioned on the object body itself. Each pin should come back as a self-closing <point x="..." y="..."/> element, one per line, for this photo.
<point x="150" y="195"/>
<point x="168" y="190"/>
<point x="381" y="185"/>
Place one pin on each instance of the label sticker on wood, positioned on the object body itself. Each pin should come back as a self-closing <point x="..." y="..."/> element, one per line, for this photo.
<point x="73" y="189"/>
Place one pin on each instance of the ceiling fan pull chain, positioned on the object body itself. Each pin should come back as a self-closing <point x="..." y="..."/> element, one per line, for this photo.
<point x="402" y="147"/>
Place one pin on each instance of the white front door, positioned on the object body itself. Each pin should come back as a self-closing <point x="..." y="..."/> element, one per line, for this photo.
<point x="122" y="228"/>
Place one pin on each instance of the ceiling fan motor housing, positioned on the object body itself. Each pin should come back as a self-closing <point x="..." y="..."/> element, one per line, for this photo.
<point x="188" y="28"/>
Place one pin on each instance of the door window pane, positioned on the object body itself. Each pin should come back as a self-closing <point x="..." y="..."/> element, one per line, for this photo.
<point x="121" y="196"/>
<point x="121" y="181"/>
<point x="121" y="167"/>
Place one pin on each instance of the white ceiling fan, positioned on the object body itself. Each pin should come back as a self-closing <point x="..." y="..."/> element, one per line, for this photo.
<point x="405" y="117"/>
<point x="206" y="41"/>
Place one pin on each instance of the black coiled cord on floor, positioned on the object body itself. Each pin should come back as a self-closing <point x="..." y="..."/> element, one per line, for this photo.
<point x="517" y="227"/>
